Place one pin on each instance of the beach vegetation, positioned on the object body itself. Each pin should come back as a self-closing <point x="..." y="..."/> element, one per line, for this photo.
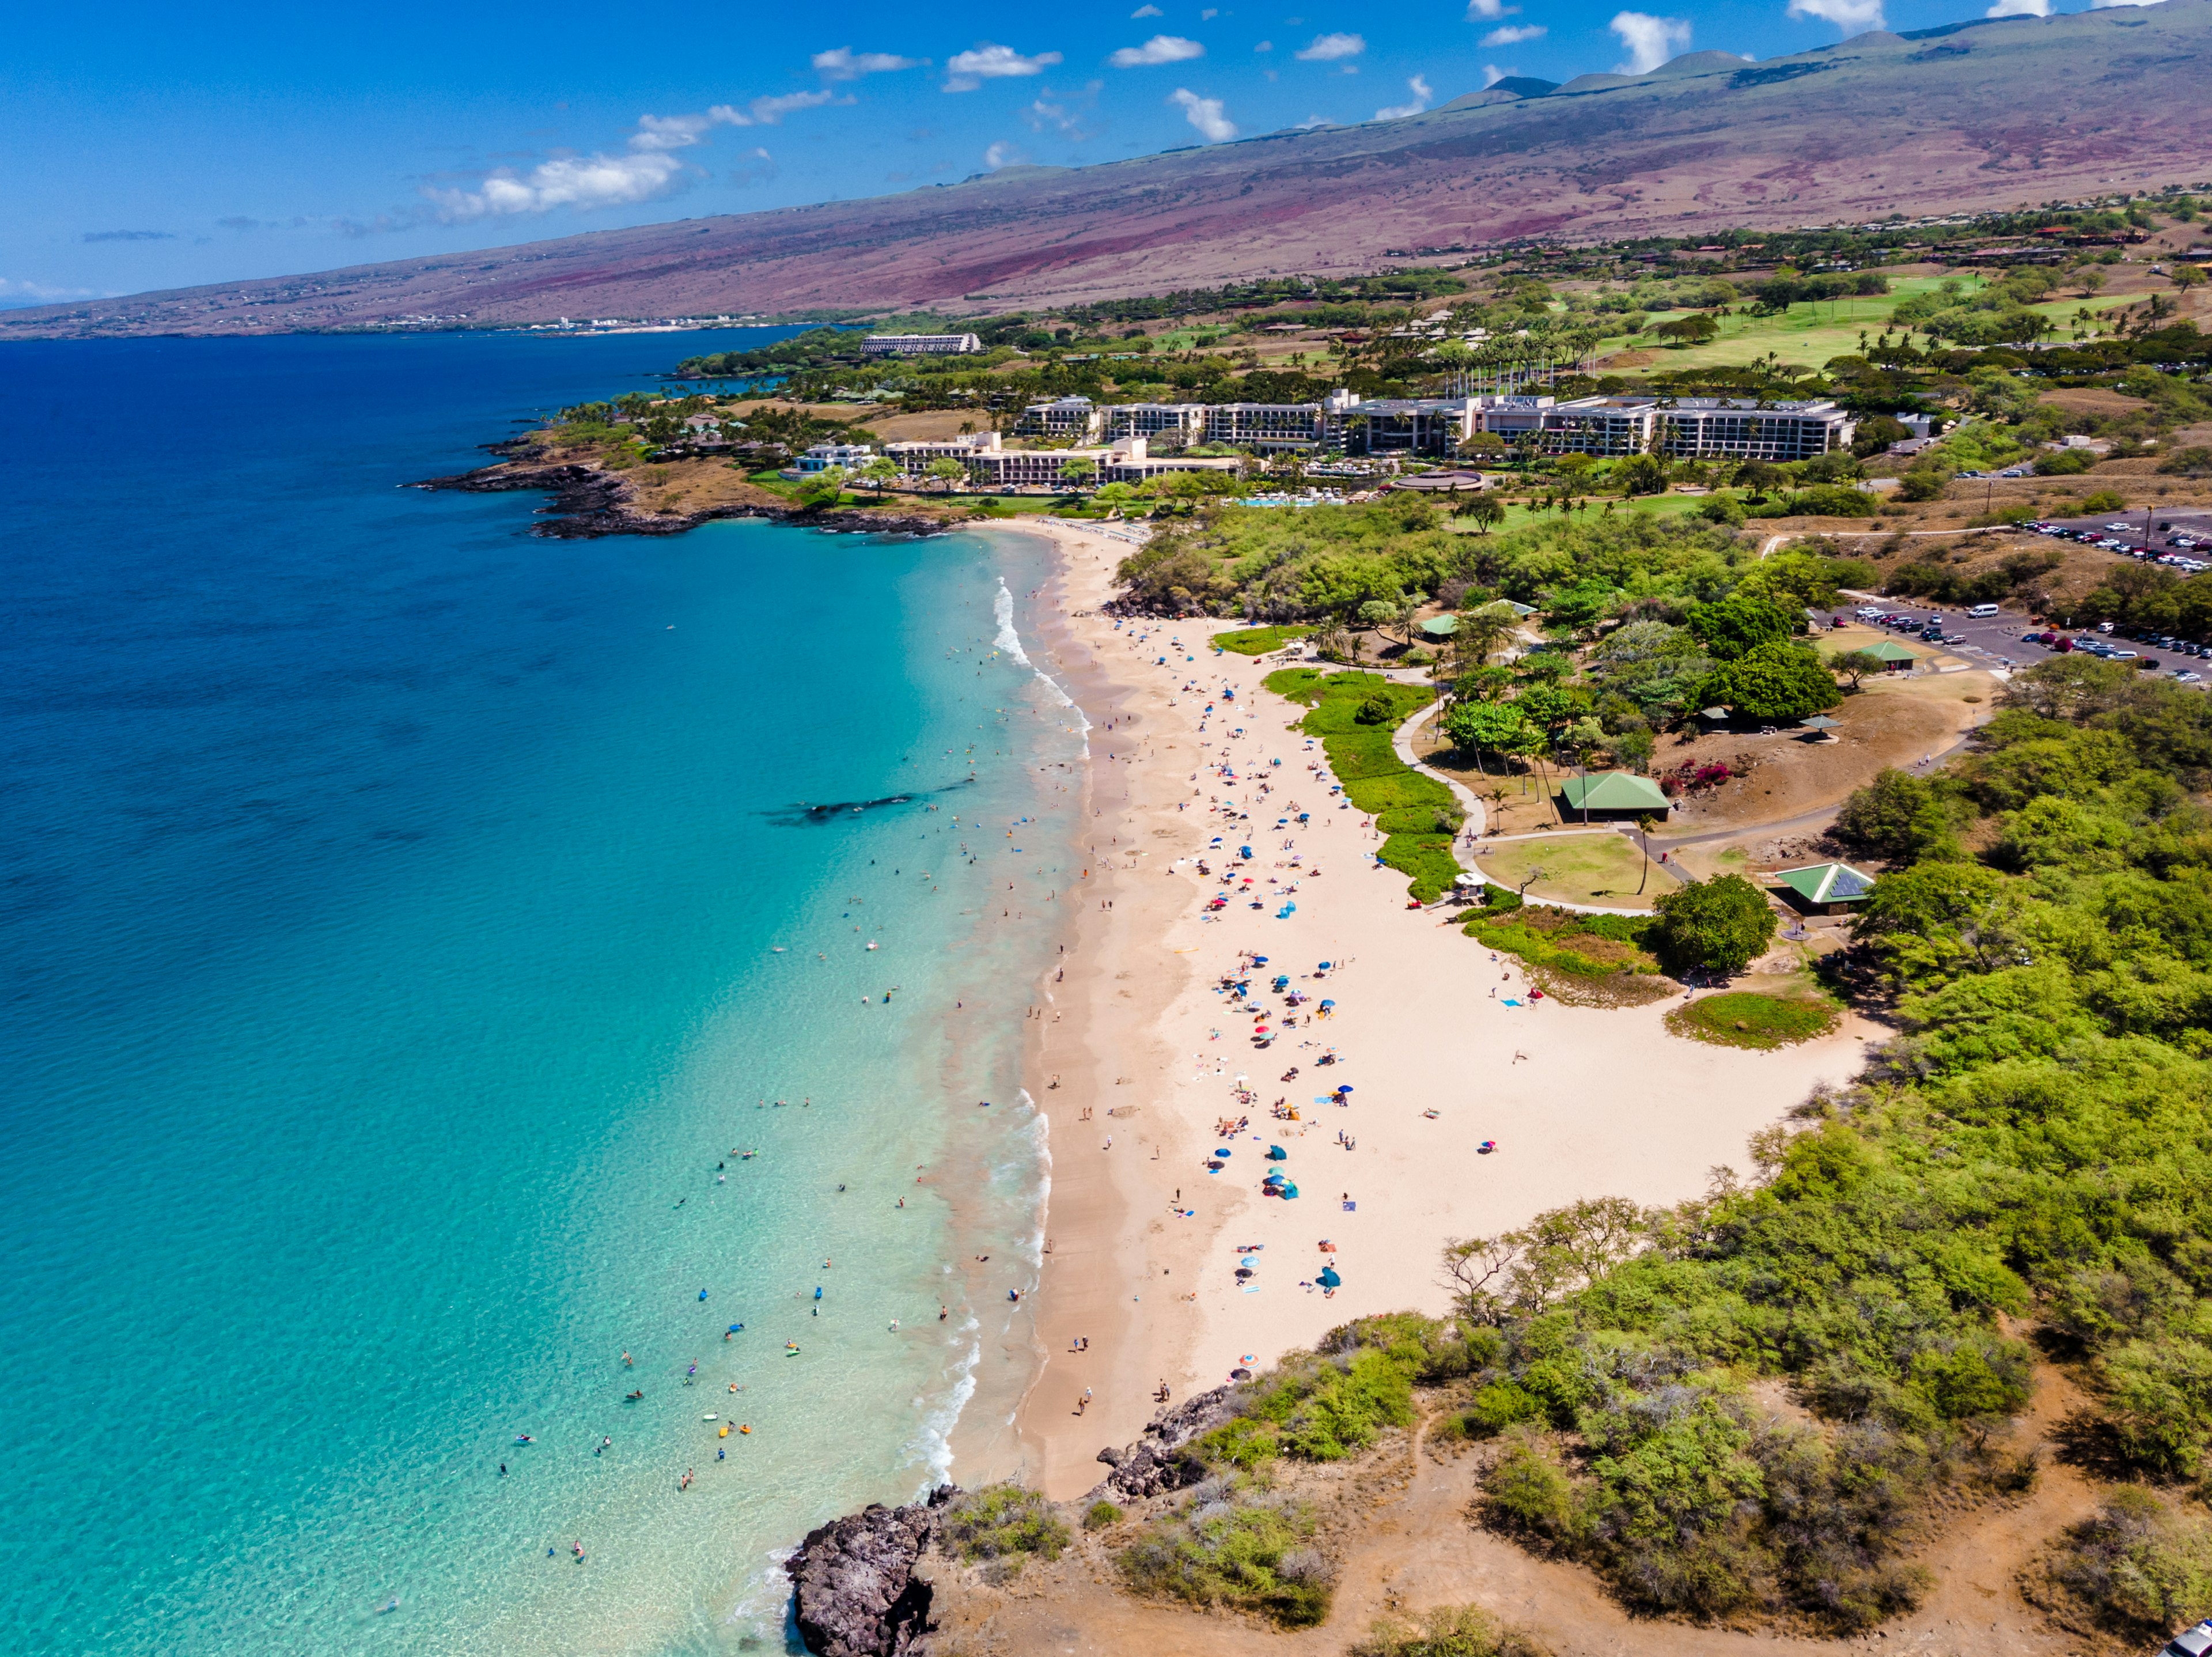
<point x="1748" y="1019"/>
<point x="1448" y="1631"/>
<point x="1576" y="957"/>
<point x="2022" y="1159"/>
<point x="1258" y="641"/>
<point x="1099" y="1515"/>
<point x="1003" y="1525"/>
<point x="1235" y="1544"/>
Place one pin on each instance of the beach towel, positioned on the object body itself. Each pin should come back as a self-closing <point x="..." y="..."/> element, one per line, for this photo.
<point x="1508" y="1002"/>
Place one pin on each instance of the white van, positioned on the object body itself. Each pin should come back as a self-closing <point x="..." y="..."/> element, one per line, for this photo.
<point x="2192" y="1643"/>
<point x="1983" y="609"/>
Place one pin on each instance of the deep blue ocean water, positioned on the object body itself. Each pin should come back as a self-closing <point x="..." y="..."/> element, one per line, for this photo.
<point x="389" y="939"/>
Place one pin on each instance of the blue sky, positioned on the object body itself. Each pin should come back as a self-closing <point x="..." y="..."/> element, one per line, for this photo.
<point x="151" y="148"/>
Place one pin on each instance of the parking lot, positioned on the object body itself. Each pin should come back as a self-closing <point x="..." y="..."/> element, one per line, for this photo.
<point x="2180" y="538"/>
<point x="2000" y="640"/>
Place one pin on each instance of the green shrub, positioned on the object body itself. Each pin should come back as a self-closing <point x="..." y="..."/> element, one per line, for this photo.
<point x="1526" y="1493"/>
<point x="1005" y="1523"/>
<point x="1231" y="1543"/>
<point x="1100" y="1515"/>
<point x="1448" y="1631"/>
<point x="2138" y="1567"/>
<point x="1499" y="1405"/>
<point x="2104" y="500"/>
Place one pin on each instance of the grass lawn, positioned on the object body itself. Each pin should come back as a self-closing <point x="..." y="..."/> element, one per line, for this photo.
<point x="1578" y="868"/>
<point x="1657" y="506"/>
<point x="1743" y="1018"/>
<point x="1809" y="334"/>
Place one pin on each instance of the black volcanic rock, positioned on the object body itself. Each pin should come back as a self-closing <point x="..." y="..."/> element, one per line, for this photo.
<point x="853" y="1585"/>
<point x="1157" y="1462"/>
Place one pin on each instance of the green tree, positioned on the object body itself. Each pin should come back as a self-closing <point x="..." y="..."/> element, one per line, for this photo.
<point x="1720" y="925"/>
<point x="1486" y="509"/>
<point x="1898" y="817"/>
<point x="1773" y="682"/>
<point x="882" y="472"/>
<point x="946" y="470"/>
<point x="1856" y="665"/>
<point x="1079" y="472"/>
<point x="1499" y="727"/>
<point x="823" y="489"/>
<point x="1738" y="623"/>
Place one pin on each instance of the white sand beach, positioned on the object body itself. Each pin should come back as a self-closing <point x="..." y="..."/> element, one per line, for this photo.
<point x="1145" y="1242"/>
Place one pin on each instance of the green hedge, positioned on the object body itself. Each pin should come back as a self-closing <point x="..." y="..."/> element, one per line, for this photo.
<point x="1403" y="802"/>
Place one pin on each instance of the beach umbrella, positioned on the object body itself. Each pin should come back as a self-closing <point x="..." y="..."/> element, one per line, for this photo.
<point x="1329" y="1005"/>
<point x="1277" y="1153"/>
<point x="1328" y="1279"/>
<point x="1820" y="723"/>
<point x="1259" y="960"/>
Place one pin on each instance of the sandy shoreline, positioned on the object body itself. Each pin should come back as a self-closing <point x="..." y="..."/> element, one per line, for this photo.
<point x="1581" y="1102"/>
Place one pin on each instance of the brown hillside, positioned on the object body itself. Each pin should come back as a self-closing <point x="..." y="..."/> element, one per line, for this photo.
<point x="1982" y="115"/>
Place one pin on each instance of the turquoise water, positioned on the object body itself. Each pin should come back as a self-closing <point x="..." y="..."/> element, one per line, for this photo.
<point x="390" y="928"/>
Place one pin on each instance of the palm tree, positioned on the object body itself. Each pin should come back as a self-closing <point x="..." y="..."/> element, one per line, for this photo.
<point x="1645" y="824"/>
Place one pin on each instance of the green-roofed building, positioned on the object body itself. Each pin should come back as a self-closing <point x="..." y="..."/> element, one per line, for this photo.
<point x="1895" y="658"/>
<point x="1827" y="888"/>
<point x="1440" y="627"/>
<point x="1612" y="796"/>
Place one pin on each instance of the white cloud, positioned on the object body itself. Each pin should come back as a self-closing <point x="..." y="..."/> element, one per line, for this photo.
<point x="1491" y="74"/>
<point x="2106" y="5"/>
<point x="1313" y="121"/>
<point x="1422" y="93"/>
<point x="1003" y="155"/>
<point x="1208" y="15"/>
<point x="580" y="181"/>
<point x="1488" y="11"/>
<point x="38" y="293"/>
<point x="755" y="167"/>
<point x="1513" y="33"/>
<point x="968" y="69"/>
<point x="1326" y="48"/>
<point x="1265" y="46"/>
<point x="1652" y="41"/>
<point x="1063" y="113"/>
<point x="1205" y="114"/>
<point x="1853" y="16"/>
<point x="843" y="63"/>
<point x="2019" y="8"/>
<point x="1160" y="49"/>
<point x="1147" y="11"/>
<point x="769" y="111"/>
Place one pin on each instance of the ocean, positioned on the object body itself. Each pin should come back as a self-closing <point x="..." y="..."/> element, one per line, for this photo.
<point x="436" y="1009"/>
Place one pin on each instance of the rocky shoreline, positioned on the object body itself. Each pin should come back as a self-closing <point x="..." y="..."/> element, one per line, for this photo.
<point x="587" y="502"/>
<point x="856" y="1592"/>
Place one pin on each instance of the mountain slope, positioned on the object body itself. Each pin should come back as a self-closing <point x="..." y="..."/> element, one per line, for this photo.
<point x="1984" y="115"/>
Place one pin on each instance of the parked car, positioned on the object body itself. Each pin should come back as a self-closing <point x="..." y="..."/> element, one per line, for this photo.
<point x="2186" y="677"/>
<point x="2191" y="1642"/>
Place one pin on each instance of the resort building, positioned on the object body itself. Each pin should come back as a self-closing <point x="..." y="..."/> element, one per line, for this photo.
<point x="1267" y="427"/>
<point x="1605" y="427"/>
<point x="1517" y="419"/>
<point x="921" y="345"/>
<point x="1739" y="428"/>
<point x="914" y="458"/>
<point x="1065" y="419"/>
<point x="1172" y="425"/>
<point x="1396" y="425"/>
